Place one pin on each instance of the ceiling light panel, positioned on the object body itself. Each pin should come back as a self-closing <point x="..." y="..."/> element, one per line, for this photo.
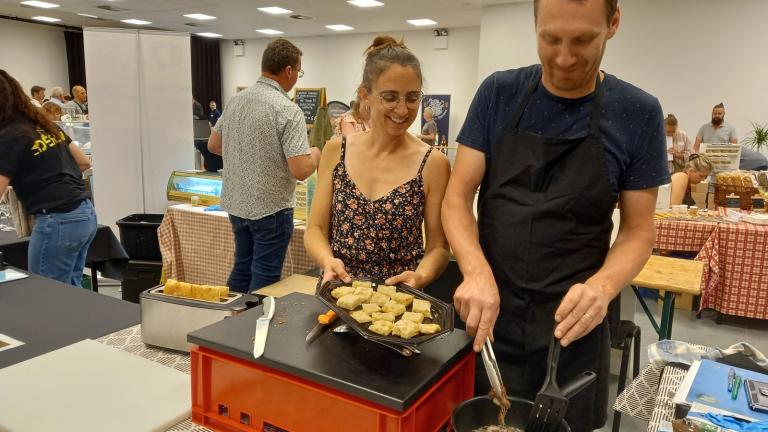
<point x="201" y="17"/>
<point x="274" y="10"/>
<point x="88" y="15"/>
<point x="40" y="4"/>
<point x="421" y="22"/>
<point x="269" y="31"/>
<point x="135" y="21"/>
<point x="339" y="27"/>
<point x="45" y="19"/>
<point x="208" y="34"/>
<point x="365" y="3"/>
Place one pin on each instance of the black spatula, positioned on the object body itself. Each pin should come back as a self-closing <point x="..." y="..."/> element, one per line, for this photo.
<point x="550" y="405"/>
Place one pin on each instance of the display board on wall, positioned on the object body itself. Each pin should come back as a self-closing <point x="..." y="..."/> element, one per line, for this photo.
<point x="441" y="110"/>
<point x="309" y="100"/>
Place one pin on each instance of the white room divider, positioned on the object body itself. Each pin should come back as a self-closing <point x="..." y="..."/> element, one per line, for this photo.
<point x="140" y="104"/>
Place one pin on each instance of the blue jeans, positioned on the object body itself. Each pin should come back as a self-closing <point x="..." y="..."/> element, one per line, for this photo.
<point x="260" y="246"/>
<point x="59" y="243"/>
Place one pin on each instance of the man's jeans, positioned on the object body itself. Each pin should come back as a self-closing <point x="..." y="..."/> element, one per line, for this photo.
<point x="59" y="243"/>
<point x="260" y="247"/>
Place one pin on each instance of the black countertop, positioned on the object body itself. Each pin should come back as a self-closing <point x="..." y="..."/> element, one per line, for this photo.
<point x="105" y="252"/>
<point x="343" y="362"/>
<point x="47" y="315"/>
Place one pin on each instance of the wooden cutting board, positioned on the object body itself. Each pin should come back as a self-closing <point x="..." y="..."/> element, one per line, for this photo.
<point x="91" y="387"/>
<point x="291" y="284"/>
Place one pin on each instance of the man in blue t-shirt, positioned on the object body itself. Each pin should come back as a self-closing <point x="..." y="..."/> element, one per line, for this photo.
<point x="554" y="147"/>
<point x="214" y="114"/>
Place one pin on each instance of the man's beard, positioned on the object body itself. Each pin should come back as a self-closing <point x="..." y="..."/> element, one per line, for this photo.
<point x="717" y="121"/>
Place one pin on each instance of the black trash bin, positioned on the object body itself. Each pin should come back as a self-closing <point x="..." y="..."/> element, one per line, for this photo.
<point x="140" y="276"/>
<point x="138" y="235"/>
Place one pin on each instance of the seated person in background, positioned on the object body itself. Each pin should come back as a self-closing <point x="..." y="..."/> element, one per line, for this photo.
<point x="429" y="131"/>
<point x="79" y="100"/>
<point x="213" y="114"/>
<point x="697" y="169"/>
<point x="197" y="110"/>
<point x="375" y="190"/>
<point x="38" y="96"/>
<point x="57" y="96"/>
<point x="53" y="113"/>
<point x="357" y="119"/>
<point x="681" y="144"/>
<point x="717" y="131"/>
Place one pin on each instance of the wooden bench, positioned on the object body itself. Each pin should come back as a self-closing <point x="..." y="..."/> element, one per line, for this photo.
<point x="673" y="276"/>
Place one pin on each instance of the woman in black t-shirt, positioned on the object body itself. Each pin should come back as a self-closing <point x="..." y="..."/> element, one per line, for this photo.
<point x="38" y="162"/>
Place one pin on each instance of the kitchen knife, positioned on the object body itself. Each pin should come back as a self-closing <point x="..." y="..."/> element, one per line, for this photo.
<point x="322" y="321"/>
<point x="262" y="327"/>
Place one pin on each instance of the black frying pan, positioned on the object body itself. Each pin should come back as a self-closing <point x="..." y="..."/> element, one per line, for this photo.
<point x="481" y="411"/>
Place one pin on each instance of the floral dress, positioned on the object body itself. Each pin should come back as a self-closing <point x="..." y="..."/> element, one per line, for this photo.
<point x="347" y="117"/>
<point x="381" y="238"/>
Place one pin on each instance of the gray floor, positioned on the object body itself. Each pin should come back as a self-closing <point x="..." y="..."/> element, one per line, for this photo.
<point x="686" y="328"/>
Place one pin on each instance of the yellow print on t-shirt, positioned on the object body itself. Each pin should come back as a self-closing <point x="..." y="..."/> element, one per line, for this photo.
<point x="46" y="141"/>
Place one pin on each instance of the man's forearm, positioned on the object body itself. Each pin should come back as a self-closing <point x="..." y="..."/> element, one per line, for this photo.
<point x="624" y="261"/>
<point x="461" y="230"/>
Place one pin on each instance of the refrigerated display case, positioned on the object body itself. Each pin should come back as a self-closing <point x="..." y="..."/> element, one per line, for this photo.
<point x="183" y="185"/>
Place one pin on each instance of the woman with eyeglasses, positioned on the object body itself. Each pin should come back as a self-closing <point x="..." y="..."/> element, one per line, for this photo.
<point x="376" y="189"/>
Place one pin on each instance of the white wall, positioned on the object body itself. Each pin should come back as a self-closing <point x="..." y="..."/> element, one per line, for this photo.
<point x="34" y="54"/>
<point x="691" y="54"/>
<point x="141" y="129"/>
<point x="336" y="63"/>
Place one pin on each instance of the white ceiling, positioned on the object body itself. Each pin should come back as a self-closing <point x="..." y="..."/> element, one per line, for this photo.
<point x="238" y="19"/>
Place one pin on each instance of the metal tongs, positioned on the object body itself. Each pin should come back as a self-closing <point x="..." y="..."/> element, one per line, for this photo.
<point x="494" y="374"/>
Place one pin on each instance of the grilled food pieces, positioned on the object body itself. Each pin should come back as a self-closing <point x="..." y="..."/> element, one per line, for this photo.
<point x="413" y="317"/>
<point x="423" y="307"/>
<point x="379" y="299"/>
<point x="402" y="298"/>
<point x="405" y="329"/>
<point x="383" y="328"/>
<point x="386" y="311"/>
<point x="195" y="291"/>
<point x="387" y="289"/>
<point x="361" y="316"/>
<point x="364" y="293"/>
<point x="429" y="328"/>
<point x="340" y="292"/>
<point x="349" y="302"/>
<point x="394" y="307"/>
<point x="383" y="316"/>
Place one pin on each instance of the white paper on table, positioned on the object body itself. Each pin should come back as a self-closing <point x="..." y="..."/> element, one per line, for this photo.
<point x="7" y="342"/>
<point x="8" y="275"/>
<point x="669" y="146"/>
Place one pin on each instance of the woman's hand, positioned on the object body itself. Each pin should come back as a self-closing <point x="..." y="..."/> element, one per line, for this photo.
<point x="410" y="278"/>
<point x="334" y="269"/>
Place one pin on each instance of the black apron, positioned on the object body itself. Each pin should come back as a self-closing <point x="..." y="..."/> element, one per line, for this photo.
<point x="545" y="224"/>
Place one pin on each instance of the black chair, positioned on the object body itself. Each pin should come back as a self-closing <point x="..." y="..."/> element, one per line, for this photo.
<point x="623" y="334"/>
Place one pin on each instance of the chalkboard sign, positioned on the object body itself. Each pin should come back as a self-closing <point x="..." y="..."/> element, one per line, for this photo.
<point x="309" y="100"/>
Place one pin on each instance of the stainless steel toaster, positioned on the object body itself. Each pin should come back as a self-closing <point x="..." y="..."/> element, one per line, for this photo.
<point x="166" y="320"/>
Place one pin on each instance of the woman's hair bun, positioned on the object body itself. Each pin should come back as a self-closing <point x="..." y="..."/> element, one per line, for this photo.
<point x="384" y="41"/>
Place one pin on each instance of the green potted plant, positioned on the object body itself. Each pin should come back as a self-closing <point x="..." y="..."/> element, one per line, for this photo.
<point x="758" y="137"/>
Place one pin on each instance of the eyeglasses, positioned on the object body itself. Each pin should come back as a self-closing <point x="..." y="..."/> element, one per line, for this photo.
<point x="390" y="99"/>
<point x="301" y="73"/>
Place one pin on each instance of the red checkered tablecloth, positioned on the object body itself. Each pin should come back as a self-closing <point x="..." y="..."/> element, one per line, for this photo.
<point x="198" y="247"/>
<point x="681" y="235"/>
<point x="735" y="257"/>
